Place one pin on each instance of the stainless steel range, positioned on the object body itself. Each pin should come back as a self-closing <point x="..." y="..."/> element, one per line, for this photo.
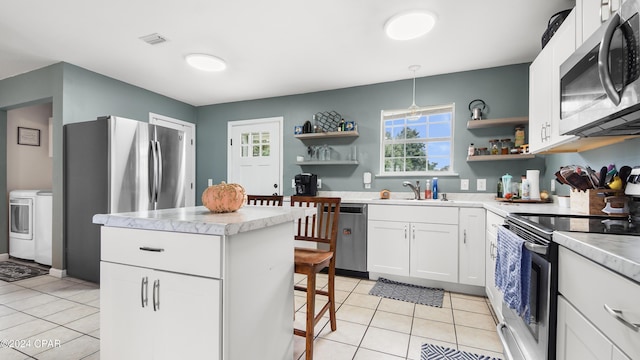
<point x="534" y="338"/>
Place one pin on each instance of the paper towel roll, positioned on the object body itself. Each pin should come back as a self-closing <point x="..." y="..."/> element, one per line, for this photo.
<point x="534" y="184"/>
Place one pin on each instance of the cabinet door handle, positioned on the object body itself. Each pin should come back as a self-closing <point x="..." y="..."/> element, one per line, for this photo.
<point x="618" y="315"/>
<point x="413" y="229"/>
<point x="465" y="236"/>
<point x="405" y="231"/>
<point x="156" y="295"/>
<point x="144" y="295"/>
<point x="152" y="249"/>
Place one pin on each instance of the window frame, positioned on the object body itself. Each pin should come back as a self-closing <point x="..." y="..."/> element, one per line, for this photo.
<point x="404" y="113"/>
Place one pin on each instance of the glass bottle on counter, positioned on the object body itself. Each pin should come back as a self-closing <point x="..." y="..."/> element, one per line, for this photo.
<point x="434" y="188"/>
<point x="499" y="192"/>
<point x="427" y="190"/>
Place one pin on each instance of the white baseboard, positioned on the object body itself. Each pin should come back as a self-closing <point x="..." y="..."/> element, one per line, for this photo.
<point x="4" y="257"/>
<point x="58" y="273"/>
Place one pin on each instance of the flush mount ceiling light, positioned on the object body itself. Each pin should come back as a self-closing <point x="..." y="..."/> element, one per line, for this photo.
<point x="410" y="25"/>
<point x="206" y="62"/>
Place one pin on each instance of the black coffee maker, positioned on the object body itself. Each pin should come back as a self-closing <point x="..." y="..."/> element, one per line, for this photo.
<point x="306" y="184"/>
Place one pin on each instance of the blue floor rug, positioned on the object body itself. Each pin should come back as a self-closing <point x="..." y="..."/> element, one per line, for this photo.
<point x="436" y="352"/>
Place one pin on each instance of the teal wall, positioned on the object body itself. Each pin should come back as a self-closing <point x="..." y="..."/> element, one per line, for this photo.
<point x="625" y="153"/>
<point x="76" y="95"/>
<point x="504" y="89"/>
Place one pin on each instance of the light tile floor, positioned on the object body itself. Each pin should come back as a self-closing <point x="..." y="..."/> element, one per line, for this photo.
<point x="50" y="318"/>
<point x="370" y="327"/>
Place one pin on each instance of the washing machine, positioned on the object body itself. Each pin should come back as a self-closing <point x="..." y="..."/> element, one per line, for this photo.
<point x="21" y="224"/>
<point x="43" y="226"/>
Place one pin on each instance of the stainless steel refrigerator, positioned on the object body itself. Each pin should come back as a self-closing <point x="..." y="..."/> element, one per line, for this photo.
<point x="113" y="165"/>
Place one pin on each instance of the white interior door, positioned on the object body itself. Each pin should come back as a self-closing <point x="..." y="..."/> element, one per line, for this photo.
<point x="190" y="140"/>
<point x="254" y="155"/>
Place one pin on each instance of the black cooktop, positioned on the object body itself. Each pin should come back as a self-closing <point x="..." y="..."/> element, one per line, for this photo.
<point x="584" y="223"/>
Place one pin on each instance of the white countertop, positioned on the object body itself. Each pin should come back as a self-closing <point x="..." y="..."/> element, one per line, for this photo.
<point x="620" y="253"/>
<point x="199" y="220"/>
<point x="617" y="252"/>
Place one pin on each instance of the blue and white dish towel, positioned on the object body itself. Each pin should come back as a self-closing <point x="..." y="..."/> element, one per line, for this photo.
<point x="513" y="272"/>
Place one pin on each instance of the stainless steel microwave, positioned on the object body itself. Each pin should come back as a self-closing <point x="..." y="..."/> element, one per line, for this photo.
<point x="599" y="82"/>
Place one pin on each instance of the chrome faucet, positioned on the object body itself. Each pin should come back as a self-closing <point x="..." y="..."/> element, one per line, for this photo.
<point x="415" y="189"/>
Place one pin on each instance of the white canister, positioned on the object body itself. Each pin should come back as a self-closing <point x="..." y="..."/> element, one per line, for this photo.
<point x="533" y="176"/>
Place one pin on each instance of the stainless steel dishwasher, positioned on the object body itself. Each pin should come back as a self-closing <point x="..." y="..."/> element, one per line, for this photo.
<point x="351" y="247"/>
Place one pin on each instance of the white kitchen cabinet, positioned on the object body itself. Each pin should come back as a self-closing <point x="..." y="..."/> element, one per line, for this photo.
<point x="152" y="320"/>
<point x="434" y="251"/>
<point x="591" y="14"/>
<point x="493" y="294"/>
<point x="416" y="241"/>
<point x="577" y="338"/>
<point x="388" y="247"/>
<point x="172" y="295"/>
<point x="471" y="235"/>
<point x="586" y="329"/>
<point x="544" y="89"/>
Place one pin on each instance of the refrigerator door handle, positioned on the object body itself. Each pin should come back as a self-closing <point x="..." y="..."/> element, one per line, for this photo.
<point x="152" y="171"/>
<point x="159" y="173"/>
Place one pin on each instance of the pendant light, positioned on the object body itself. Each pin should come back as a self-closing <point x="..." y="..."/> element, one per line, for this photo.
<point x="413" y="109"/>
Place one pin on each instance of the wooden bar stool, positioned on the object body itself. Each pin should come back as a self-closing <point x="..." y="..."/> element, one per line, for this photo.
<point x="268" y="200"/>
<point x="322" y="227"/>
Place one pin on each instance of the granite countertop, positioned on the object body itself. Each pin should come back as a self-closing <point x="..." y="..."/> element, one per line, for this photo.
<point x="199" y="220"/>
<point x="620" y="253"/>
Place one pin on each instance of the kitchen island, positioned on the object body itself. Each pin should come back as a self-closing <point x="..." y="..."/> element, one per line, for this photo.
<point x="187" y="283"/>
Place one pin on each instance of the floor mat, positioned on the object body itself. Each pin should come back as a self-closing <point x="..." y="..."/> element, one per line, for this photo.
<point x="436" y="352"/>
<point x="11" y="271"/>
<point x="407" y="292"/>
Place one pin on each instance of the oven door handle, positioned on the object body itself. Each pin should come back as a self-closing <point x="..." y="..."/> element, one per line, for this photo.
<point x="507" y="352"/>
<point x="538" y="249"/>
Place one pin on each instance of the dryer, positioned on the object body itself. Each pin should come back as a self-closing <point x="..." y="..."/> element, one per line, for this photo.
<point x="21" y="223"/>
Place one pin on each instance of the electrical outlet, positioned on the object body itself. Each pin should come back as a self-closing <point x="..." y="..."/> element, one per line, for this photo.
<point x="553" y="185"/>
<point x="464" y="184"/>
<point x="209" y="182"/>
<point x="481" y="184"/>
<point x="293" y="183"/>
<point x="319" y="183"/>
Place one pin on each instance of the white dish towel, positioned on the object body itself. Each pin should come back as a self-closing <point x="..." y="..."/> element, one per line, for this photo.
<point x="513" y="272"/>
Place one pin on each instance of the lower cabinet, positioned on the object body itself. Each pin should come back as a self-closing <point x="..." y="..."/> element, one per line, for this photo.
<point x="388" y="247"/>
<point x="434" y="252"/>
<point x="598" y="313"/>
<point x="493" y="221"/>
<point x="152" y="321"/>
<point x="428" y="242"/>
<point x="577" y="338"/>
<point x="471" y="252"/>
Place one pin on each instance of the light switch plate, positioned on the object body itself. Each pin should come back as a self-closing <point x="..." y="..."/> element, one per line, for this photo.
<point x="319" y="183"/>
<point x="481" y="184"/>
<point x="209" y="182"/>
<point x="464" y="184"/>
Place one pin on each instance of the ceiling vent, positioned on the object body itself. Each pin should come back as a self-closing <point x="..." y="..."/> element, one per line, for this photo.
<point x="153" y="39"/>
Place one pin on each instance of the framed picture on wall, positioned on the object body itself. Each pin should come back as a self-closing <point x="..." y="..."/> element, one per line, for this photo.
<point x="28" y="136"/>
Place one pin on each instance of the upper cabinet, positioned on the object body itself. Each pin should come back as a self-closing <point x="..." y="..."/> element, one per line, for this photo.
<point x="544" y="82"/>
<point x="590" y="14"/>
<point x="544" y="89"/>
